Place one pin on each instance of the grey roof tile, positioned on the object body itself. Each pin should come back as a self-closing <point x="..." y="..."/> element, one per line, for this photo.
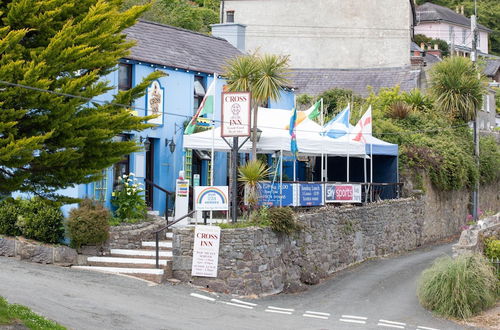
<point x="430" y="12"/>
<point x="491" y="68"/>
<point x="170" y="46"/>
<point x="316" y="81"/>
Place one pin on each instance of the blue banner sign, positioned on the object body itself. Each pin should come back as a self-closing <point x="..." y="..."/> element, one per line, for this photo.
<point x="269" y="194"/>
<point x="310" y="194"/>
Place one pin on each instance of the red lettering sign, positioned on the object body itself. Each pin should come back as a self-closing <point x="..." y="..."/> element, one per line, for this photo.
<point x="343" y="193"/>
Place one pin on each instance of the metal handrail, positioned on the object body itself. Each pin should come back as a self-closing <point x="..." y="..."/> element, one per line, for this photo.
<point x="157" y="235"/>
<point x="168" y="193"/>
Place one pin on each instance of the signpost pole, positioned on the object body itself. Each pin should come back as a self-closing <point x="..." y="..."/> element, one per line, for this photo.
<point x="234" y="183"/>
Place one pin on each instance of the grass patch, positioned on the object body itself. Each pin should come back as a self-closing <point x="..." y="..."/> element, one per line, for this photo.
<point x="458" y="288"/>
<point x="13" y="313"/>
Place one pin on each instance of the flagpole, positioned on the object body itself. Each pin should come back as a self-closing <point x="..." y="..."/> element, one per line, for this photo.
<point x="348" y="141"/>
<point x="281" y="177"/>
<point x="212" y="157"/>
<point x="371" y="171"/>
<point x="322" y="146"/>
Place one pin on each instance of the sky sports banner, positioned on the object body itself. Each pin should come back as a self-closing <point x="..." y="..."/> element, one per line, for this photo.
<point x="342" y="193"/>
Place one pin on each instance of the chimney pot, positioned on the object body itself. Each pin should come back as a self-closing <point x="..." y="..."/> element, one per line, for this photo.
<point x="462" y="10"/>
<point x="436" y="47"/>
<point x="422" y="45"/>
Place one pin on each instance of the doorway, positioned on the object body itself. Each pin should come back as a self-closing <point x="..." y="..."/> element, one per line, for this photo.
<point x="150" y="174"/>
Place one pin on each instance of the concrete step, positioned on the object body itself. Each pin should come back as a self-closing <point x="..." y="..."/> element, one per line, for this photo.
<point x="154" y="275"/>
<point x="164" y="245"/>
<point x="169" y="234"/>
<point x="130" y="253"/>
<point x="125" y="262"/>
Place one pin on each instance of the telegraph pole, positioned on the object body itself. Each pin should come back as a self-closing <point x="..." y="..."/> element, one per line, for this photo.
<point x="475" y="193"/>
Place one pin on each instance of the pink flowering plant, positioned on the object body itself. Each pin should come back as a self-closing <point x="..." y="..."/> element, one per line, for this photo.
<point x="129" y="199"/>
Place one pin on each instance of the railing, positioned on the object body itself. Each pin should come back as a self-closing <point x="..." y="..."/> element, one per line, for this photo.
<point x="157" y="235"/>
<point x="168" y="194"/>
<point x="374" y="192"/>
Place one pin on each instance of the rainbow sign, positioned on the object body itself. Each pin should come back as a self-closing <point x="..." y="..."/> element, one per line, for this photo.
<point x="211" y="198"/>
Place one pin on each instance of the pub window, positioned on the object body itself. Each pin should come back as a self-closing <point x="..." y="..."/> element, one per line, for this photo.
<point x="230" y="16"/>
<point x="124" y="76"/>
<point x="199" y="92"/>
<point x="123" y="166"/>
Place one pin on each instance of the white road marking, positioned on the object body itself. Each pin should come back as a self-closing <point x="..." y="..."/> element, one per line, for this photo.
<point x="281" y="309"/>
<point x="318" y="313"/>
<point x="352" y="321"/>
<point x="426" y="328"/>
<point x="391" y="322"/>
<point x="316" y="316"/>
<point x="390" y="325"/>
<point x="354" y="317"/>
<point x="279" y="312"/>
<point x="196" y="295"/>
<point x="243" y="302"/>
<point x="238" y="305"/>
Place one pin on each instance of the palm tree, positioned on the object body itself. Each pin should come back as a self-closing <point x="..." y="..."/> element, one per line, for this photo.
<point x="251" y="174"/>
<point x="263" y="76"/>
<point x="457" y="87"/>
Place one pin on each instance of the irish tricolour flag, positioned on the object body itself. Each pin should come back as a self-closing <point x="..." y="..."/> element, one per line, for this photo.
<point x="206" y="108"/>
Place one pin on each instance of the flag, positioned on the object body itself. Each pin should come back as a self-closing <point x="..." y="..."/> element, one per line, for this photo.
<point x="293" y="143"/>
<point x="363" y="127"/>
<point x="311" y="113"/>
<point x="338" y="126"/>
<point x="206" y="108"/>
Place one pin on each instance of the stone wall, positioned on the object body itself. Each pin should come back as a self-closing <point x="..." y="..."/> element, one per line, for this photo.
<point x="260" y="261"/>
<point x="472" y="239"/>
<point x="130" y="236"/>
<point x="37" y="252"/>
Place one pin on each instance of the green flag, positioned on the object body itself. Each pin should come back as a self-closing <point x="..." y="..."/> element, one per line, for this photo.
<point x="314" y="111"/>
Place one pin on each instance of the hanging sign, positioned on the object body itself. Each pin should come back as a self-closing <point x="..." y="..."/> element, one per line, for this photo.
<point x="343" y="193"/>
<point x="205" y="251"/>
<point x="154" y="103"/>
<point x="211" y="198"/>
<point x="270" y="194"/>
<point x="235" y="114"/>
<point x="310" y="194"/>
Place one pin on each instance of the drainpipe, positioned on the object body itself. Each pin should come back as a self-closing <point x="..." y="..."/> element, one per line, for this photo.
<point x="221" y="11"/>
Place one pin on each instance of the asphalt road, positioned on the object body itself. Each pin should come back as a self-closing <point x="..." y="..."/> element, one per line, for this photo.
<point x="378" y="294"/>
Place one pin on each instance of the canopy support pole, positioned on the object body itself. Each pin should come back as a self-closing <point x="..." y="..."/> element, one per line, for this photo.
<point x="281" y="177"/>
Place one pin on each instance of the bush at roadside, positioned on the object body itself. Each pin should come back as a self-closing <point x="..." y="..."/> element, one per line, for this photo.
<point x="492" y="248"/>
<point x="460" y="287"/>
<point x="9" y="211"/>
<point x="41" y="220"/>
<point x="88" y="224"/>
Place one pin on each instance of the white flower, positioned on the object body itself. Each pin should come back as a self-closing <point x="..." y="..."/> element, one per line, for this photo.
<point x="129" y="193"/>
<point x="131" y="174"/>
<point x="119" y="178"/>
<point x="129" y="180"/>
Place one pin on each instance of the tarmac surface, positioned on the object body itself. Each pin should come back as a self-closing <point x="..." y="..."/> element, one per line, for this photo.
<point x="377" y="294"/>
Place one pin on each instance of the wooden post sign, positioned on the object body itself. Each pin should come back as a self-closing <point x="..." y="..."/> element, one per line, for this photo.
<point x="206" y="251"/>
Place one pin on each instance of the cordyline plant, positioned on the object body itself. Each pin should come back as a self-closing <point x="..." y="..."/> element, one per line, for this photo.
<point x="262" y="75"/>
<point x="250" y="175"/>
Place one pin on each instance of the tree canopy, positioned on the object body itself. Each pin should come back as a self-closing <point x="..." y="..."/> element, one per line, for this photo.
<point x="53" y="55"/>
<point x="488" y="15"/>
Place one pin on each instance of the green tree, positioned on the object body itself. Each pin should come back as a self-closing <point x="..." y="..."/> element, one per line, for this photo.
<point x="264" y="76"/>
<point x="51" y="136"/>
<point x="457" y="88"/>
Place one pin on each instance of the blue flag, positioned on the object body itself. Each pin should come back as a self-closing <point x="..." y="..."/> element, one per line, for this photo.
<point x="293" y="143"/>
<point x="338" y="126"/>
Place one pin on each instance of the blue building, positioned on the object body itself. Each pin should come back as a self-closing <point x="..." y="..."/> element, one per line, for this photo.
<point x="189" y="60"/>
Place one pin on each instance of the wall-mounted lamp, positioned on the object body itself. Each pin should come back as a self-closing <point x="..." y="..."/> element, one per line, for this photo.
<point x="147" y="143"/>
<point x="170" y="144"/>
<point x="259" y="134"/>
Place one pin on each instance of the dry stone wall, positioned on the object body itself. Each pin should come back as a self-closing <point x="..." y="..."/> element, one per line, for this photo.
<point x="259" y="261"/>
<point x="37" y="252"/>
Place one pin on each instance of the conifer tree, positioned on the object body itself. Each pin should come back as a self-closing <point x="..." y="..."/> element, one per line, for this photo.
<point x="50" y="141"/>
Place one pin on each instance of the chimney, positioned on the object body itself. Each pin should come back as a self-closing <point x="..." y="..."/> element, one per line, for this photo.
<point x="234" y="33"/>
<point x="462" y="10"/>
<point x="457" y="9"/>
<point x="435" y="51"/>
<point x="422" y="45"/>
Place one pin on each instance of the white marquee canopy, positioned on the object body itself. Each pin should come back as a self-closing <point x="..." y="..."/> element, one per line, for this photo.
<point x="275" y="137"/>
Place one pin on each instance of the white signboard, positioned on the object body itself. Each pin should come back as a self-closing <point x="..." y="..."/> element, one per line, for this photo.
<point x="235" y="114"/>
<point x="206" y="251"/>
<point x="181" y="200"/>
<point x="154" y="103"/>
<point x="213" y="198"/>
<point x="342" y="193"/>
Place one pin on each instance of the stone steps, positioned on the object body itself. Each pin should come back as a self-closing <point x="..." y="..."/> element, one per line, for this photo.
<point x="154" y="275"/>
<point x="143" y="254"/>
<point x="125" y="262"/>
<point x="163" y="245"/>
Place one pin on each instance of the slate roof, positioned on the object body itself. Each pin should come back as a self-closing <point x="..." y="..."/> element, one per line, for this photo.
<point x="492" y="67"/>
<point x="170" y="46"/>
<point x="316" y="81"/>
<point x="431" y="59"/>
<point x="414" y="47"/>
<point x="430" y="12"/>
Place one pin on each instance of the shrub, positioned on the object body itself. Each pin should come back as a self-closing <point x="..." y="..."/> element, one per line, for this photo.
<point x="129" y="200"/>
<point x="41" y="220"/>
<point x="458" y="287"/>
<point x="282" y="219"/>
<point x="88" y="224"/>
<point x="492" y="248"/>
<point x="9" y="211"/>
